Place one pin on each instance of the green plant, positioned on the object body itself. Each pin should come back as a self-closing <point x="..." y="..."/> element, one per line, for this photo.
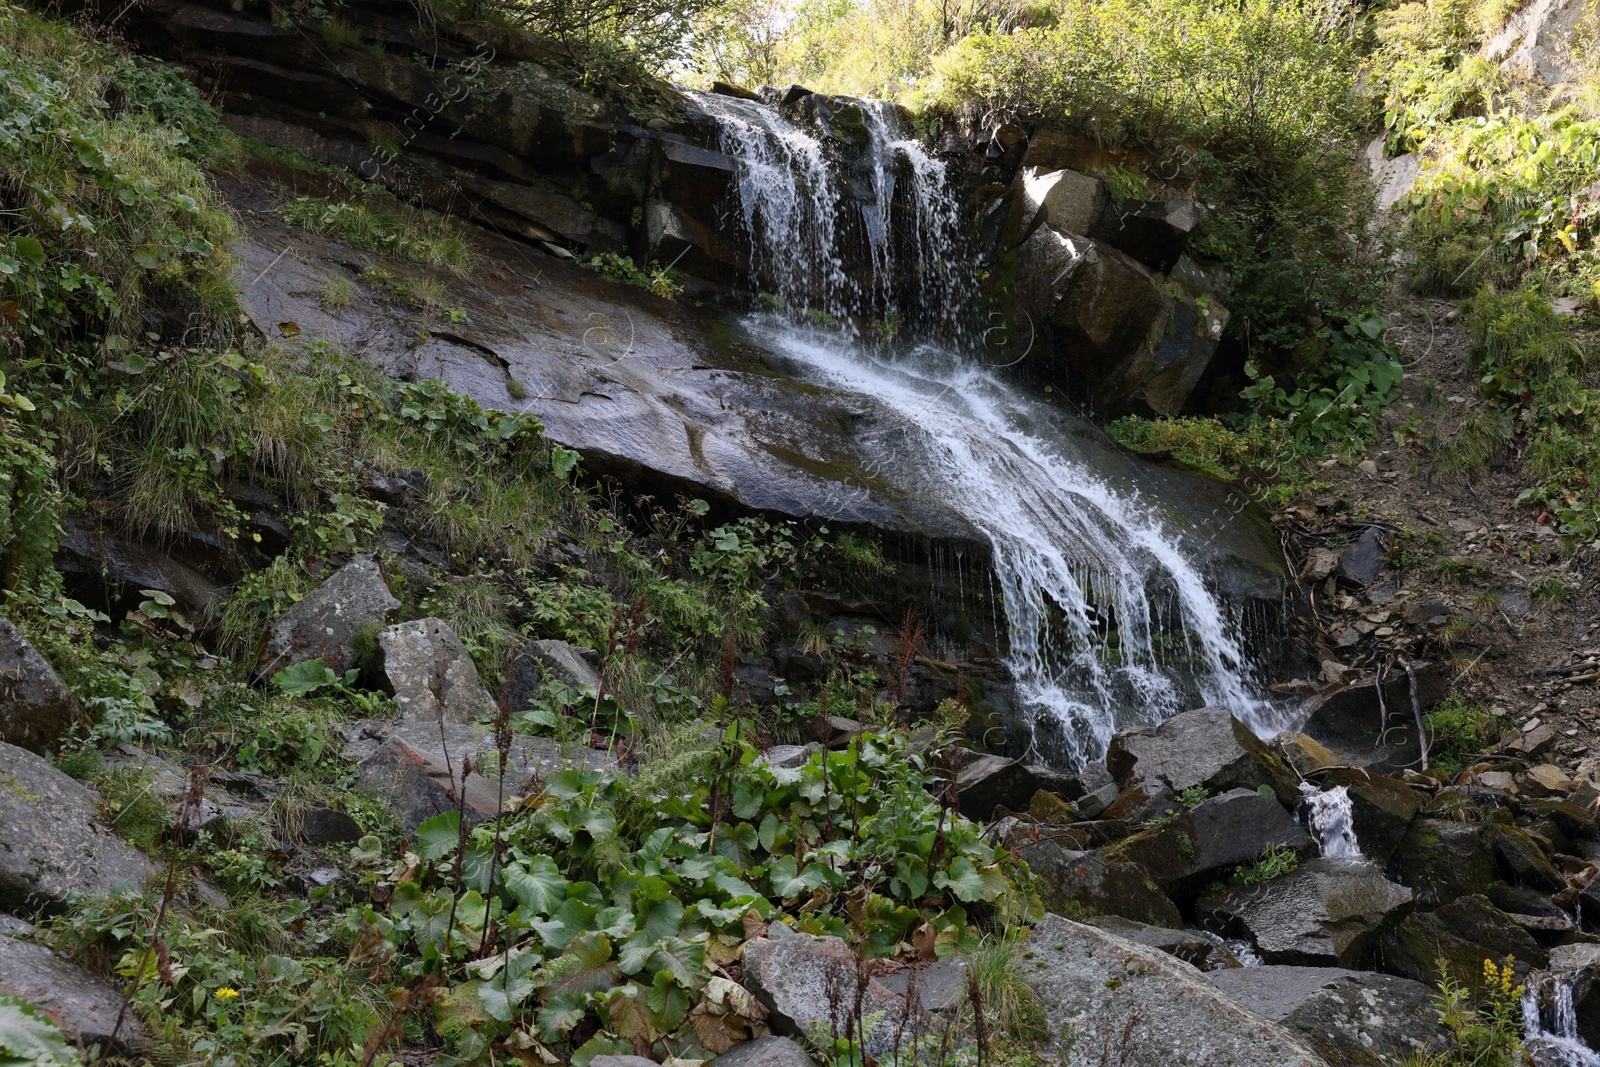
<point x="29" y="1039"/>
<point x="1194" y="796"/>
<point x="1486" y="1032"/>
<point x="1459" y="730"/>
<point x="656" y="278"/>
<point x="1550" y="588"/>
<point x="394" y="229"/>
<point x="1274" y="860"/>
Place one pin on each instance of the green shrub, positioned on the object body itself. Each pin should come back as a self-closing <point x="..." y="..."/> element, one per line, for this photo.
<point x="1459" y="730"/>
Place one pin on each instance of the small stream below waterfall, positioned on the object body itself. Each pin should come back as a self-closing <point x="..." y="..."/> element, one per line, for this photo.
<point x="1111" y="618"/>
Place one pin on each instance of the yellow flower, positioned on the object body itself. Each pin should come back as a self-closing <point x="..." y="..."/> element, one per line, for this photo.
<point x="226" y="993"/>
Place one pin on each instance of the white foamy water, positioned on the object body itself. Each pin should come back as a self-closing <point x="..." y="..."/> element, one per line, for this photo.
<point x="1109" y="615"/>
<point x="1550" y="1024"/>
<point x="1331" y="821"/>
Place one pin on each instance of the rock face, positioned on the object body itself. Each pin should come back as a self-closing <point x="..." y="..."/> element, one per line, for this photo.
<point x="799" y="979"/>
<point x="1535" y="41"/>
<point x="766" y="1052"/>
<point x="52" y="843"/>
<point x="563" y="662"/>
<point x="1352" y="1018"/>
<point x="432" y="673"/>
<point x="1113" y="1001"/>
<point x="419" y="772"/>
<point x="1442" y="859"/>
<point x="1207" y="748"/>
<point x="1328" y="913"/>
<point x="84" y="1007"/>
<point x="1086" y="884"/>
<point x="1461" y="935"/>
<point x="1192" y="848"/>
<point x="35" y="705"/>
<point x="321" y="625"/>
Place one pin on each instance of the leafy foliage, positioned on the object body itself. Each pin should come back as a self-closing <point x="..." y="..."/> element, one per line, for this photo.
<point x="28" y="1039"/>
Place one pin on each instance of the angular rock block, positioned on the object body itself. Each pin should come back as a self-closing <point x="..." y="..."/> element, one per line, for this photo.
<point x="1111" y="1000"/>
<point x="52" y="843"/>
<point x="322" y="623"/>
<point x="1327" y="913"/>
<point x="85" y="1008"/>
<point x="1352" y="1018"/>
<point x="432" y="673"/>
<point x="36" y="707"/>
<point x="1086" y="884"/>
<point x="1196" y="846"/>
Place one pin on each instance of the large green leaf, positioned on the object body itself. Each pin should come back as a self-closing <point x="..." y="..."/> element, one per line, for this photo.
<point x="560" y="1014"/>
<point x="536" y="884"/>
<point x="585" y="967"/>
<point x="437" y="837"/>
<point x="661" y="918"/>
<point x="503" y="997"/>
<point x="962" y="879"/>
<point x="569" y="920"/>
<point x="28" y="1039"/>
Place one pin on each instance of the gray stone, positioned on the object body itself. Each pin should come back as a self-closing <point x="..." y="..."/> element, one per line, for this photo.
<point x="987" y="784"/>
<point x="621" y="1061"/>
<point x="219" y="805"/>
<point x="941" y="984"/>
<point x="1460" y="935"/>
<point x="765" y="1052"/>
<point x="103" y="568"/>
<point x="799" y="978"/>
<point x="1068" y="201"/>
<point x="1362" y="562"/>
<point x="11" y="926"/>
<point x="36" y="707"/>
<point x="565" y="663"/>
<point x="1196" y="846"/>
<point x="1393" y="178"/>
<point x="1329" y="913"/>
<point x="1190" y="948"/>
<point x="52" y="843"/>
<point x="1535" y="41"/>
<point x="1085" y="884"/>
<point x="1352" y="1018"/>
<point x="1442" y="859"/>
<point x="1374" y="731"/>
<point x="419" y="772"/>
<point x="328" y="826"/>
<point x="1112" y="1000"/>
<point x="84" y="1007"/>
<point x="1208" y="747"/>
<point x="429" y="668"/>
<point x="786" y="756"/>
<point x="321" y="624"/>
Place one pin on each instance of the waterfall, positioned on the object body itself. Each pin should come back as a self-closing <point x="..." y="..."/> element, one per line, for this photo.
<point x="1331" y="822"/>
<point x="1550" y="1024"/>
<point x="1110" y="619"/>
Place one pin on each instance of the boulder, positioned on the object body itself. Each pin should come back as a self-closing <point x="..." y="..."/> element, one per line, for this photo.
<point x="1194" y="847"/>
<point x="1190" y="948"/>
<point x="1159" y="375"/>
<point x="1085" y="884"/>
<point x="36" y="707"/>
<point x="765" y="1052"/>
<point x="802" y="980"/>
<point x="940" y="984"/>
<point x="1109" y="1000"/>
<point x="1154" y="232"/>
<point x="1462" y="934"/>
<point x="1099" y="304"/>
<point x="104" y="569"/>
<point x="564" y="662"/>
<point x="219" y="804"/>
<point x="52" y="843"/>
<point x="1326" y="913"/>
<point x="1362" y="731"/>
<point x="85" y="1008"/>
<point x="1068" y="201"/>
<point x="1143" y="802"/>
<point x="1381" y="809"/>
<point x="1208" y="748"/>
<point x="328" y="826"/>
<point x="1362" y="562"/>
<point x="416" y="765"/>
<point x="1442" y="859"/>
<point x="1353" y="1018"/>
<point x="322" y="623"/>
<point x="1520" y="857"/>
<point x="988" y="784"/>
<point x="432" y="673"/>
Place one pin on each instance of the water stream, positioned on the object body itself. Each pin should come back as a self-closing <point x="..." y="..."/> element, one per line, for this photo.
<point x="1110" y="617"/>
<point x="1550" y="1024"/>
<point x="1331" y="822"/>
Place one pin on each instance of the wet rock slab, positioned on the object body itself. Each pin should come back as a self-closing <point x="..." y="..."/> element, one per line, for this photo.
<point x="1326" y="913"/>
<point x="1111" y="1000"/>
<point x="86" y="1009"/>
<point x="1351" y="1017"/>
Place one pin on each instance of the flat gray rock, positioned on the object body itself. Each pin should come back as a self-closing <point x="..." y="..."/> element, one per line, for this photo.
<point x="52" y="843"/>
<point x="321" y="624"/>
<point x="1113" y="1001"/>
<point x="35" y="705"/>
<point x="564" y="662"/>
<point x="1208" y="747"/>
<point x="1326" y="913"/>
<point x="765" y="1052"/>
<point x="429" y="668"/>
<point x="799" y="978"/>
<point x="84" y="1007"/>
<point x="1350" y="1017"/>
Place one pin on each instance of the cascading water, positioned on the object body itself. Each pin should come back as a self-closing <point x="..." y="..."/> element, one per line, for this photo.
<point x="1550" y="1024"/>
<point x="1110" y="618"/>
<point x="1331" y="821"/>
